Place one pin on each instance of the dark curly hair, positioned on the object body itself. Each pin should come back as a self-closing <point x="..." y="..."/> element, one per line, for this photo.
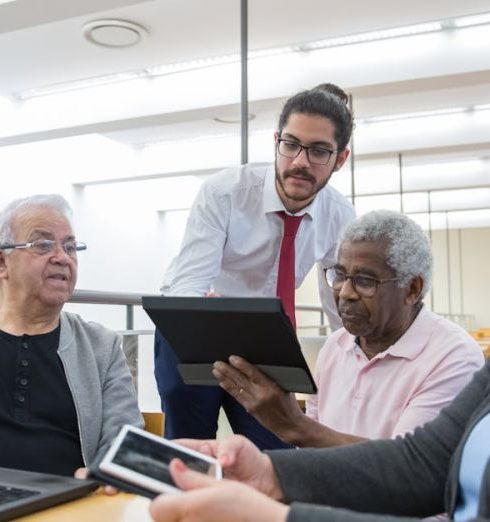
<point x="326" y="100"/>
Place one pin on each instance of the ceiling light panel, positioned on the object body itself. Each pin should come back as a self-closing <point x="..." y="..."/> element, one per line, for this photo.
<point x="86" y="83"/>
<point x="467" y="21"/>
<point x="372" y="36"/>
<point x="418" y="114"/>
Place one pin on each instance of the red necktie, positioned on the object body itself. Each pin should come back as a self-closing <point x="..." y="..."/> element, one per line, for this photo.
<point x="286" y="276"/>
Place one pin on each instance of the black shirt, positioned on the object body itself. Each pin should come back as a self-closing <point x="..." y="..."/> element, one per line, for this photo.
<point x="38" y="421"/>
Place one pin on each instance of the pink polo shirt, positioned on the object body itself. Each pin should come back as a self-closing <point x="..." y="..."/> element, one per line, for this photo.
<point x="398" y="389"/>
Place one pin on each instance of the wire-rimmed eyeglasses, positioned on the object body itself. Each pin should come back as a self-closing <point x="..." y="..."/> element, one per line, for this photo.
<point x="292" y="149"/>
<point x="364" y="285"/>
<point x="45" y="246"/>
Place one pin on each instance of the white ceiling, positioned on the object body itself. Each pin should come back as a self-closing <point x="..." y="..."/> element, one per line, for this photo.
<point x="41" y="41"/>
<point x="45" y="44"/>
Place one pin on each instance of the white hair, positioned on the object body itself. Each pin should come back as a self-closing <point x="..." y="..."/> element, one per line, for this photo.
<point x="408" y="252"/>
<point x="18" y="206"/>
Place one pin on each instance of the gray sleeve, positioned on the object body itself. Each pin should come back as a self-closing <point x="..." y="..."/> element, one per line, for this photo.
<point x="119" y="399"/>
<point x="310" y="513"/>
<point x="405" y="476"/>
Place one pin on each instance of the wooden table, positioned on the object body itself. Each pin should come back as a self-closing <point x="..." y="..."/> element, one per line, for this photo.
<point x="96" y="507"/>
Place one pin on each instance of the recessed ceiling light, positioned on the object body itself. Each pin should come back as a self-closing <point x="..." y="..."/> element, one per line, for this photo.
<point x="114" y="33"/>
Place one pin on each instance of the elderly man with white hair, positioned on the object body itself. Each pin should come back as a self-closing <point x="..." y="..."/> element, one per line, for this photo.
<point x="65" y="386"/>
<point x="392" y="366"/>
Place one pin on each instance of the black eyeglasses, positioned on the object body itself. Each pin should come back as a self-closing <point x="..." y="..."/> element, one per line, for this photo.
<point x="315" y="155"/>
<point x="364" y="285"/>
<point x="45" y="246"/>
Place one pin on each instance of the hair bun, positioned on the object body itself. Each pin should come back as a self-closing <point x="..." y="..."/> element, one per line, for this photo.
<point x="331" y="88"/>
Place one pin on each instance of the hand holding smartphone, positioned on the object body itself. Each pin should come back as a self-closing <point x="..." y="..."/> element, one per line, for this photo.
<point x="138" y="461"/>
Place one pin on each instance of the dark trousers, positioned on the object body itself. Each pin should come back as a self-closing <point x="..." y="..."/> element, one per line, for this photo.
<point x="192" y="411"/>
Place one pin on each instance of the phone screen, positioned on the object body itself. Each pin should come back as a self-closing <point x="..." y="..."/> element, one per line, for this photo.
<point x="151" y="458"/>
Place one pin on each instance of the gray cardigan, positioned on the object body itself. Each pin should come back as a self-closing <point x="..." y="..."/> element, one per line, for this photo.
<point x="414" y="476"/>
<point x="99" y="381"/>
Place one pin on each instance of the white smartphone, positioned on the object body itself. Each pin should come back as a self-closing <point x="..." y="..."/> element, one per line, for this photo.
<point x="142" y="459"/>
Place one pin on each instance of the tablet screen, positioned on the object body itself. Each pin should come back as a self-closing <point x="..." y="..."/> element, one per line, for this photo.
<point x="151" y="458"/>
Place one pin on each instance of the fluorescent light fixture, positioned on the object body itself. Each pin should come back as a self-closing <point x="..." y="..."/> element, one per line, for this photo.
<point x="274" y="51"/>
<point x="418" y="114"/>
<point x="173" y="68"/>
<point x="468" y="21"/>
<point x="6" y="1"/>
<point x="75" y="85"/>
<point x="371" y="36"/>
<point x="202" y="63"/>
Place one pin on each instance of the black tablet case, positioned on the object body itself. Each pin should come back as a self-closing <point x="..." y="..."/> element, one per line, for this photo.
<point x="103" y="478"/>
<point x="95" y="473"/>
<point x="202" y="330"/>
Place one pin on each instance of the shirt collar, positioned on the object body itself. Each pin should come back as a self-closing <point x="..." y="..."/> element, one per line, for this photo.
<point x="410" y="344"/>
<point x="271" y="200"/>
<point x="413" y="341"/>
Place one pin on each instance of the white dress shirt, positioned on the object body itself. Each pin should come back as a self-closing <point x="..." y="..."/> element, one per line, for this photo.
<point x="233" y="238"/>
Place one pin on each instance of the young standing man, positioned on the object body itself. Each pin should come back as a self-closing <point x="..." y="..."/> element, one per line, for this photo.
<point x="257" y="230"/>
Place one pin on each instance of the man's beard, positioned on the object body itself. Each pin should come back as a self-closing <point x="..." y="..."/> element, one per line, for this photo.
<point x="304" y="174"/>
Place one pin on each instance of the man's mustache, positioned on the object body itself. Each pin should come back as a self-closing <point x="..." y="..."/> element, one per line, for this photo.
<point x="302" y="173"/>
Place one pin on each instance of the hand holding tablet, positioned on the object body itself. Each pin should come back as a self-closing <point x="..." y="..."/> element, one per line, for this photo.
<point x="138" y="462"/>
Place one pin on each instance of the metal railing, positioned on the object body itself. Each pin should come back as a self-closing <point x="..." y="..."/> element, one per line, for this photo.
<point x="131" y="299"/>
<point x="127" y="299"/>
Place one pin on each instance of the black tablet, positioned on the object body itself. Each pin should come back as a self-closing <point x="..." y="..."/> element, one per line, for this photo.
<point x="202" y="330"/>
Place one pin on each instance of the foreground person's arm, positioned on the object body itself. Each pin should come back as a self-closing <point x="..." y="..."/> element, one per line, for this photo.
<point x="405" y="477"/>
<point x="379" y="481"/>
<point x="208" y="500"/>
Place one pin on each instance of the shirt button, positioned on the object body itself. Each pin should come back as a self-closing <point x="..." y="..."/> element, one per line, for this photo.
<point x="25" y="344"/>
<point x="21" y="398"/>
<point x="24" y="382"/>
<point x="24" y="363"/>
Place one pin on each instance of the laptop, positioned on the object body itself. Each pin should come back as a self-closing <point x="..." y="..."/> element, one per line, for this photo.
<point x="202" y="330"/>
<point x="24" y="492"/>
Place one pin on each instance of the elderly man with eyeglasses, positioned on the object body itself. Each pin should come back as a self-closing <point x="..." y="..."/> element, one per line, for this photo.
<point x="392" y="366"/>
<point x="65" y="386"/>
